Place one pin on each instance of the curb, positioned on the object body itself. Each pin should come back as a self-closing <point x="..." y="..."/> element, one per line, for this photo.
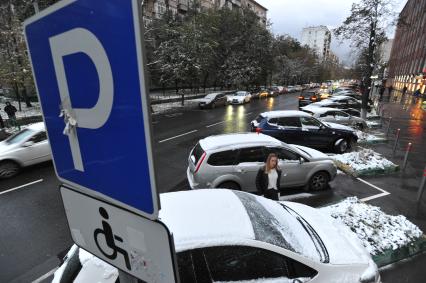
<point x="367" y="172"/>
<point x="392" y="256"/>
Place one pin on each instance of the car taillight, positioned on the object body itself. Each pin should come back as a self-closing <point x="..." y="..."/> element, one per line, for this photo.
<point x="313" y="98"/>
<point x="200" y="162"/>
<point x="301" y="97"/>
<point x="258" y="130"/>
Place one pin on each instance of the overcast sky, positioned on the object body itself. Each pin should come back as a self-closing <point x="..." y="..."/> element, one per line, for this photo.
<point x="291" y="16"/>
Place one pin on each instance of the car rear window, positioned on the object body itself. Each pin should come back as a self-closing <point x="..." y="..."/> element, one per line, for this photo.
<point x="259" y="118"/>
<point x="223" y="158"/>
<point x="290" y="122"/>
<point x="196" y="154"/>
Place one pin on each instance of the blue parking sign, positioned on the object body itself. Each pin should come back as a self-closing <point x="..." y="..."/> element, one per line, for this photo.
<point x="88" y="66"/>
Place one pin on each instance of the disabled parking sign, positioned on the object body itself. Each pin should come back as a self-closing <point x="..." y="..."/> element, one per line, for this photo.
<point x="88" y="67"/>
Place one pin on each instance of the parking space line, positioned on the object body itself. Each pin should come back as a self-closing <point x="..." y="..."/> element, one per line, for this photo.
<point x="184" y="134"/>
<point x="382" y="194"/>
<point x="20" y="187"/>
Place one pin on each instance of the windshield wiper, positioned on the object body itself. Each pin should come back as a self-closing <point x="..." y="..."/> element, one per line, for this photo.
<point x="319" y="245"/>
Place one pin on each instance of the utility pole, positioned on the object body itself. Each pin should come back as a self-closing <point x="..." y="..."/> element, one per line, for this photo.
<point x="35" y="5"/>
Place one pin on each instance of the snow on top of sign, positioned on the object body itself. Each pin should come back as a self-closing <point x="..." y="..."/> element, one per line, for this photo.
<point x="377" y="230"/>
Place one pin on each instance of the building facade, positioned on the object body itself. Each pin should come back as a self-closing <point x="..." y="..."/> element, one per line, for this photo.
<point x="407" y="63"/>
<point x="155" y="8"/>
<point x="319" y="39"/>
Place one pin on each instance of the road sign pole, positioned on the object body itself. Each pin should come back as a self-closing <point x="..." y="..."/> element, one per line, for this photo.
<point x="406" y="156"/>
<point x="396" y="140"/>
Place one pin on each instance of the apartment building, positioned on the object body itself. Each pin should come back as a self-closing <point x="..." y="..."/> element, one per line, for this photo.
<point x="319" y="39"/>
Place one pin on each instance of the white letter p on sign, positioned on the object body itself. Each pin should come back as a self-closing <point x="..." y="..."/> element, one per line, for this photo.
<point x="81" y="40"/>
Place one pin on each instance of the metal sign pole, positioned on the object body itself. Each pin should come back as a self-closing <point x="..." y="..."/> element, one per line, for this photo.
<point x="422" y="186"/>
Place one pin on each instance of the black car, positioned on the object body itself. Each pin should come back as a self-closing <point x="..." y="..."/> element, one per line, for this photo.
<point x="297" y="127"/>
<point x="308" y="97"/>
<point x="212" y="100"/>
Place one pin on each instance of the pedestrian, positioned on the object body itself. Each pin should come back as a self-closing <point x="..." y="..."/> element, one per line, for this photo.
<point x="404" y="90"/>
<point x="268" y="178"/>
<point x="381" y="92"/>
<point x="10" y="111"/>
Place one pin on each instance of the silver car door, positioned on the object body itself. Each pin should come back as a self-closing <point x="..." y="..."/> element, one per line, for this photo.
<point x="342" y="118"/>
<point x="250" y="160"/>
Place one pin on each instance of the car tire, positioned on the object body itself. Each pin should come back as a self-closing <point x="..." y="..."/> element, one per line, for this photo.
<point x="341" y="146"/>
<point x="230" y="186"/>
<point x="8" y="169"/>
<point x="319" y="181"/>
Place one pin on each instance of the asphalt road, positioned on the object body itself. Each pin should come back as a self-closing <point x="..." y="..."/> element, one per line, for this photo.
<point x="34" y="229"/>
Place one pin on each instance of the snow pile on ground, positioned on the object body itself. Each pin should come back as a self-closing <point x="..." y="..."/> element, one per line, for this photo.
<point x="377" y="230"/>
<point x="367" y="137"/>
<point x="365" y="159"/>
<point x="26" y="111"/>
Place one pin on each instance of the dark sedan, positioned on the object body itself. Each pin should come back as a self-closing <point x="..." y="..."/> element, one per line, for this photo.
<point x="308" y="97"/>
<point x="296" y="127"/>
<point x="212" y="100"/>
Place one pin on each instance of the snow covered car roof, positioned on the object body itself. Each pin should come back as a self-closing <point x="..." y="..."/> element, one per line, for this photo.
<point x="220" y="141"/>
<point x="216" y="217"/>
<point x="284" y="113"/>
<point x="37" y="127"/>
<point x="322" y="110"/>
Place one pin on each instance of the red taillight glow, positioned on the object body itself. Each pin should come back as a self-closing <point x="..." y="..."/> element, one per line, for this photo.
<point x="258" y="130"/>
<point x="301" y="97"/>
<point x="313" y="98"/>
<point x="199" y="162"/>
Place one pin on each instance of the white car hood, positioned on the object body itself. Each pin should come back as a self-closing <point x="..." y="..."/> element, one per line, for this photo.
<point x="339" y="126"/>
<point x="342" y="244"/>
<point x="315" y="155"/>
<point x="236" y="97"/>
<point x="4" y="147"/>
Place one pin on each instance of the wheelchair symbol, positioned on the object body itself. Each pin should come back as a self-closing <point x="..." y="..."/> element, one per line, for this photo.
<point x="110" y="238"/>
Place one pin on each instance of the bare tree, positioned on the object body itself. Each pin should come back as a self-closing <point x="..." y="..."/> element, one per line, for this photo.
<point x="366" y="27"/>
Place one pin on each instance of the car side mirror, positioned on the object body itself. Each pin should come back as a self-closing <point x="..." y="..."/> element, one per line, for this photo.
<point x="27" y="144"/>
<point x="301" y="160"/>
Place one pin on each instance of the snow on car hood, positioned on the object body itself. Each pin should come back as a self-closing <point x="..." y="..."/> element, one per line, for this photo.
<point x="5" y="147"/>
<point x="339" y="126"/>
<point x="313" y="154"/>
<point x="235" y="97"/>
<point x="335" y="235"/>
<point x="206" y="100"/>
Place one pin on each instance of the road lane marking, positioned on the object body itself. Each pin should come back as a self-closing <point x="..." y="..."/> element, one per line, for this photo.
<point x="178" y="136"/>
<point x="382" y="194"/>
<point x="215" y="124"/>
<point x="45" y="276"/>
<point x="20" y="187"/>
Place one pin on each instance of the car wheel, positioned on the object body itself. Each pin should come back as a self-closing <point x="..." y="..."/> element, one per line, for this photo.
<point x="319" y="181"/>
<point x="8" y="169"/>
<point x="341" y="146"/>
<point x="230" y="186"/>
<point x="360" y="126"/>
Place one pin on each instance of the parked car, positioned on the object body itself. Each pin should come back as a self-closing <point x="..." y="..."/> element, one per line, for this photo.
<point x="352" y="111"/>
<point x="27" y="147"/>
<point x="338" y="116"/>
<point x="263" y="93"/>
<point x="298" y="88"/>
<point x="339" y="102"/>
<point x="297" y="127"/>
<point x="308" y="97"/>
<point x="232" y="236"/>
<point x="233" y="160"/>
<point x="274" y="91"/>
<point x="212" y="100"/>
<point x="239" y="97"/>
<point x="291" y="89"/>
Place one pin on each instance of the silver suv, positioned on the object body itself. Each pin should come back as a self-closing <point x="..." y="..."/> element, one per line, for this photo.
<point x="232" y="161"/>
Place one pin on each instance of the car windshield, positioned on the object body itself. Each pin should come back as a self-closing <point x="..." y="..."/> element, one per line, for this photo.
<point x="240" y="93"/>
<point x="277" y="226"/>
<point x="211" y="95"/>
<point x="20" y="136"/>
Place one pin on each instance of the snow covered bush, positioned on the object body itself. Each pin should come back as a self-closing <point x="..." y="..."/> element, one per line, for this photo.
<point x="377" y="230"/>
